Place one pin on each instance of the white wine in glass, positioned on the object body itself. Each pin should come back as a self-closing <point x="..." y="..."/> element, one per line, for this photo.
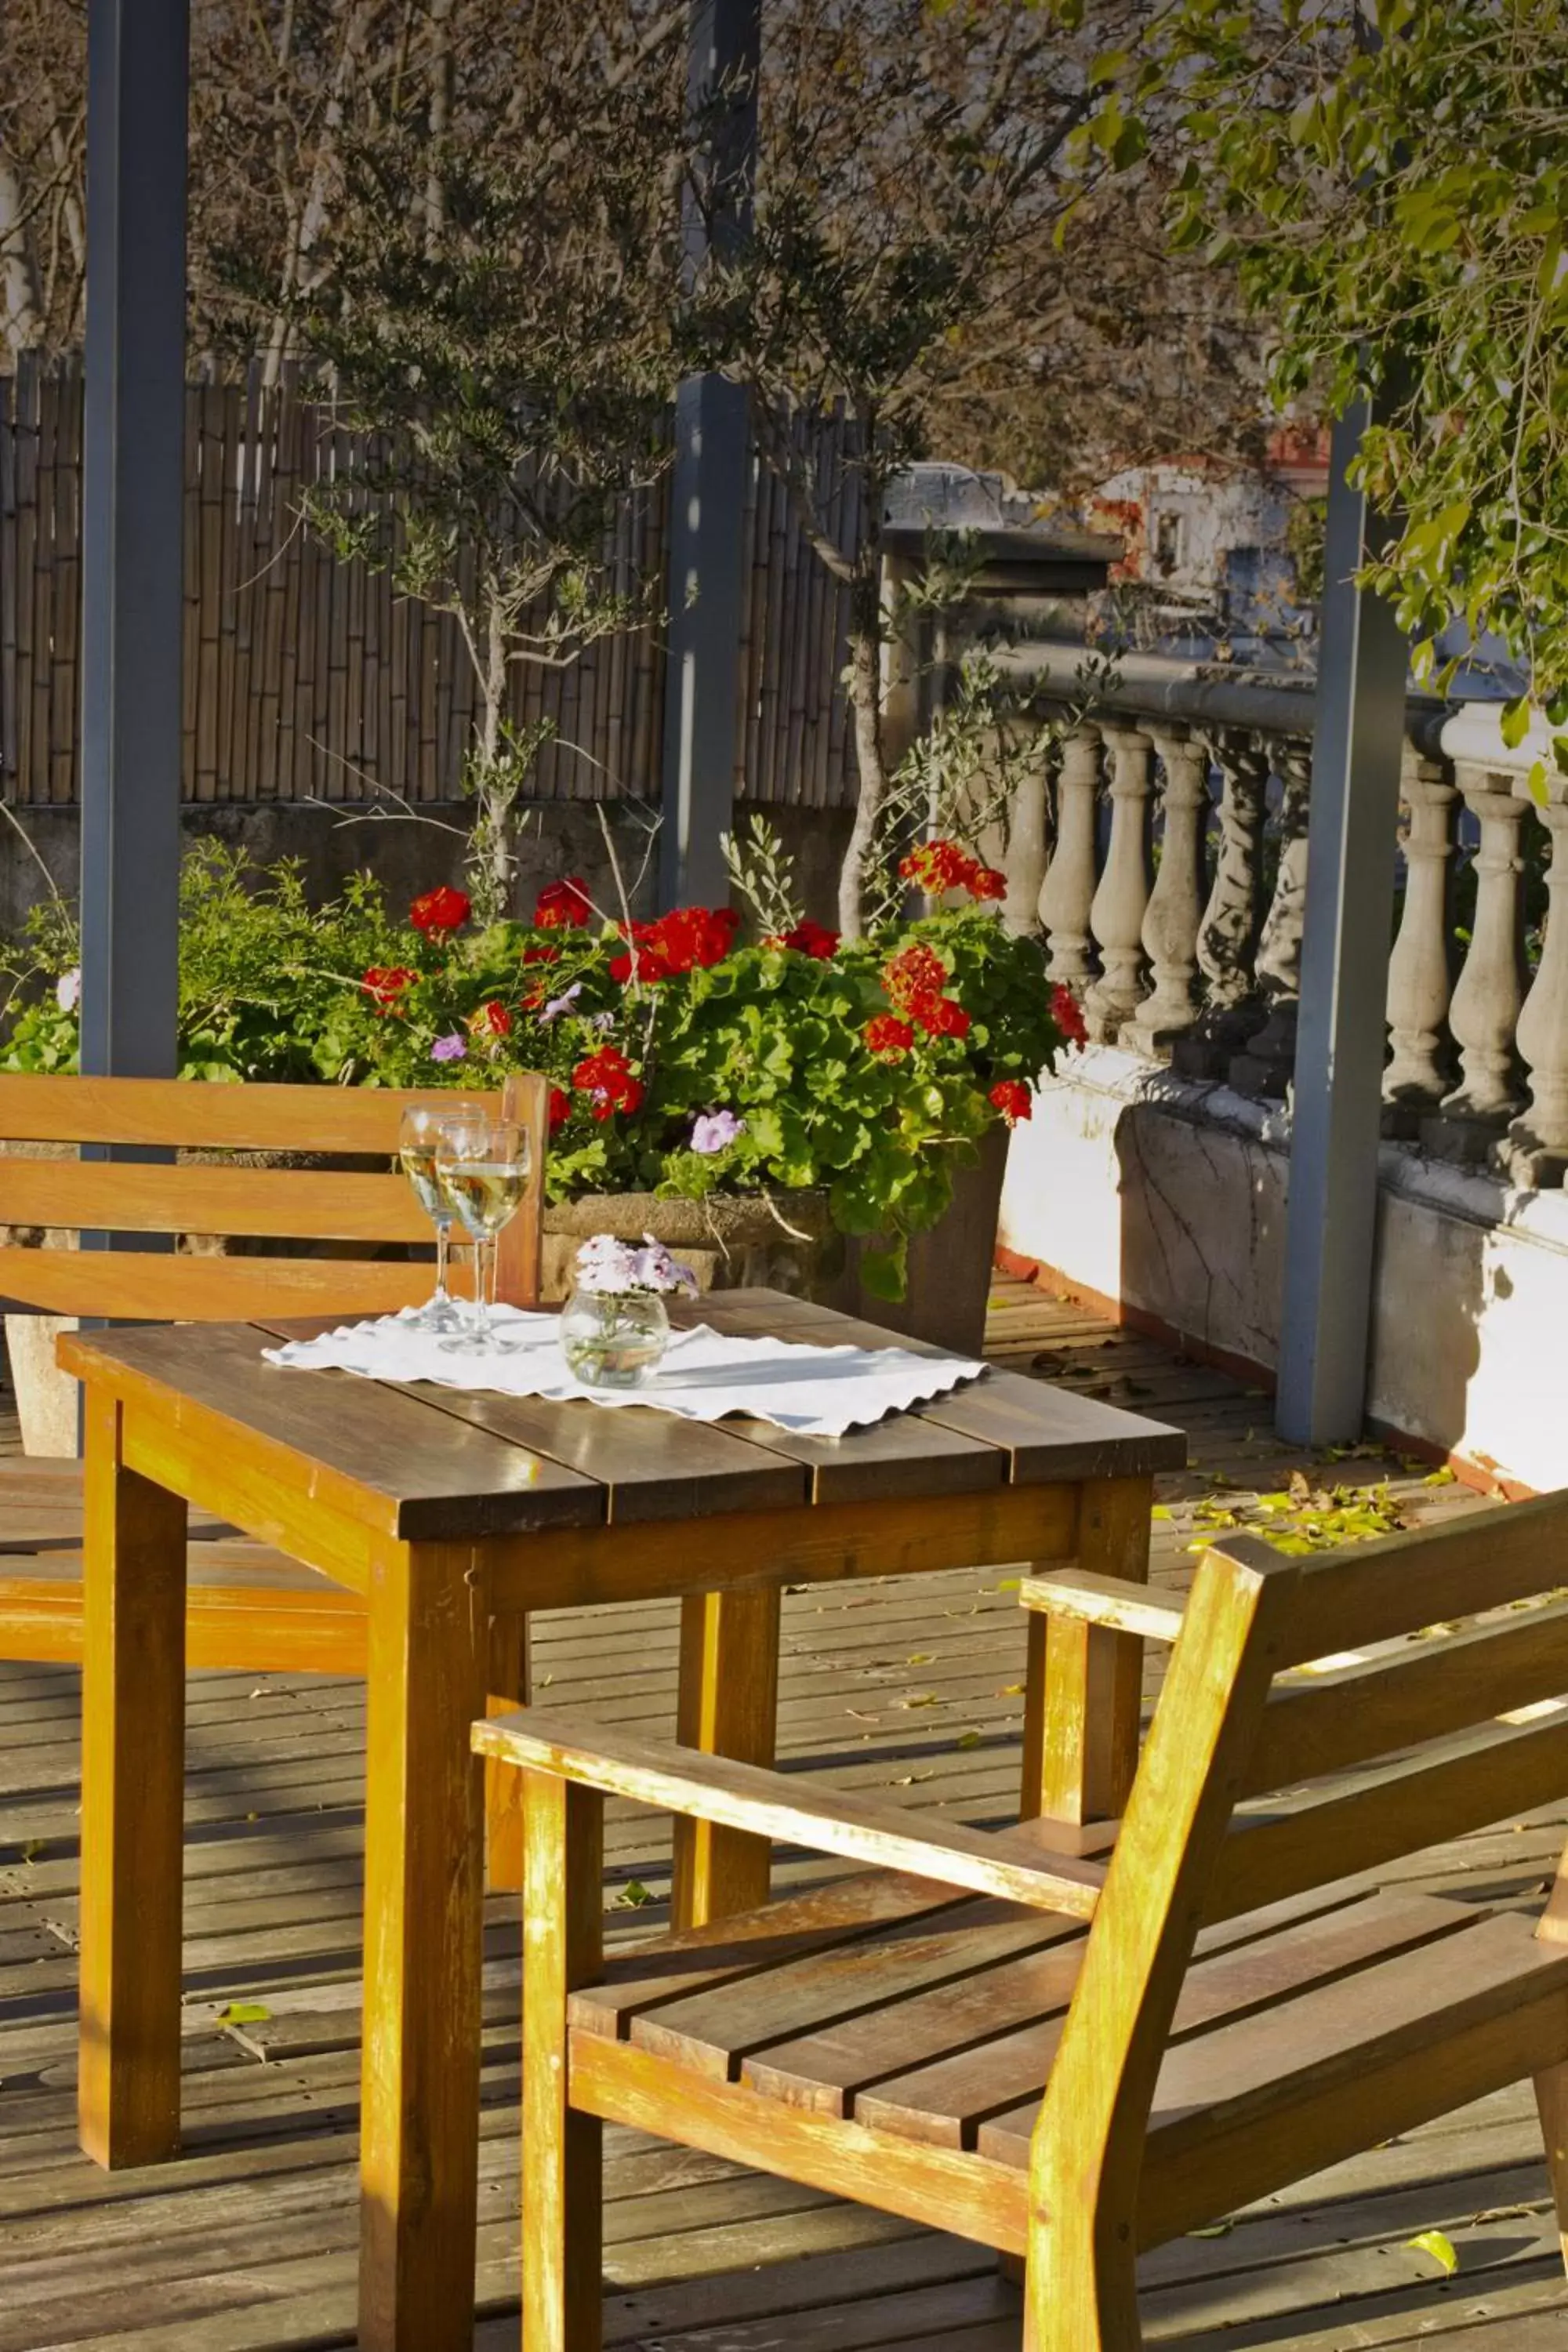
<point x="482" y="1167"/>
<point x="417" y="1132"/>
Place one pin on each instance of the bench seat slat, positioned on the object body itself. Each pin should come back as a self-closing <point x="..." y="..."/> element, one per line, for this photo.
<point x="1325" y="2045"/>
<point x="721" y="2033"/>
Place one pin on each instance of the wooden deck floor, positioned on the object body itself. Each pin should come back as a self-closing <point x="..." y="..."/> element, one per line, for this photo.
<point x="246" y="2243"/>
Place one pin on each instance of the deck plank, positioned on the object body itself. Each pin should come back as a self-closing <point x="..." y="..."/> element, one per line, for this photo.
<point x="911" y="1688"/>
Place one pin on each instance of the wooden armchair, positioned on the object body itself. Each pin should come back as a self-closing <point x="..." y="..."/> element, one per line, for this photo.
<point x="249" y="1607"/>
<point x="1065" y="2059"/>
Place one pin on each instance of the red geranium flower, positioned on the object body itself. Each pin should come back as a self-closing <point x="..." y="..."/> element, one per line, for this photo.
<point x="541" y="955"/>
<point x="384" y="984"/>
<point x="939" y="1016"/>
<point x="563" y="905"/>
<point x="439" y="910"/>
<point x="560" y="1107"/>
<point x="918" y="972"/>
<point x="888" y="1035"/>
<point x="493" y="1019"/>
<point x="645" y="959"/>
<point x="985" y="882"/>
<point x="938" y="865"/>
<point x="809" y="939"/>
<point x="606" y="1078"/>
<point x="677" y="942"/>
<point x="1068" y="1014"/>
<point x="1011" y="1098"/>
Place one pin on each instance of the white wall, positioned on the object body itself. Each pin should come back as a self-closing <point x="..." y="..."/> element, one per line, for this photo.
<point x="1171" y="1196"/>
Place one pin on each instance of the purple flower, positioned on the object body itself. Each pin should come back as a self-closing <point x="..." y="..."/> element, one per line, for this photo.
<point x="67" y="989"/>
<point x="603" y="1022"/>
<point x="562" y="1003"/>
<point x="448" y="1049"/>
<point x="613" y="1268"/>
<point x="655" y="1269"/>
<point x="716" y="1130"/>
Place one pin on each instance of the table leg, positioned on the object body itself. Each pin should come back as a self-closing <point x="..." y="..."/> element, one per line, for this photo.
<point x="419" y="2118"/>
<point x="728" y="1706"/>
<point x="1085" y="1683"/>
<point x="132" y="1803"/>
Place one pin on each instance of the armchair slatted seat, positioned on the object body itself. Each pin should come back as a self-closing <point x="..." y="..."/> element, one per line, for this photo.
<point x="249" y="1607"/>
<point x="1066" y="2055"/>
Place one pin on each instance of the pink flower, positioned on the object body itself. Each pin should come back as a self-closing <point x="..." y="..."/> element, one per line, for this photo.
<point x="716" y="1130"/>
<point x="448" y="1049"/>
<point x="67" y="989"/>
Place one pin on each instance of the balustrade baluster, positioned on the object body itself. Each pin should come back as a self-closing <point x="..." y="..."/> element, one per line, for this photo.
<point x="1484" y="1012"/>
<point x="1535" y="1150"/>
<point x="1228" y="935"/>
<point x="1268" y="1063"/>
<point x="1025" y="860"/>
<point x="1116" y="916"/>
<point x="1176" y="901"/>
<point x="1421" y="969"/>
<point x="1068" y="891"/>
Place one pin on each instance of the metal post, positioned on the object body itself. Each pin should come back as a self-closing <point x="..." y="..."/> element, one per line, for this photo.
<point x="1330" y="1225"/>
<point x="133" y="489"/>
<point x="707" y="494"/>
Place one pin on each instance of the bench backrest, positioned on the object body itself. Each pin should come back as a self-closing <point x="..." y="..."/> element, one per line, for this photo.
<point x="142" y="1190"/>
<point x="1288" y="1673"/>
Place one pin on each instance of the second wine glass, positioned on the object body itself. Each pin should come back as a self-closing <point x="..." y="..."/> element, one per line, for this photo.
<point x="418" y="1133"/>
<point x="482" y="1166"/>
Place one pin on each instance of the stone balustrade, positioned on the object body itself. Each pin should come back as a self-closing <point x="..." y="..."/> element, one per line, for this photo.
<point x="1167" y="870"/>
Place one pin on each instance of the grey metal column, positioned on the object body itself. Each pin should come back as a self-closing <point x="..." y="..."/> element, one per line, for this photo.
<point x="133" y="475"/>
<point x="707" y="500"/>
<point x="1331" y="1224"/>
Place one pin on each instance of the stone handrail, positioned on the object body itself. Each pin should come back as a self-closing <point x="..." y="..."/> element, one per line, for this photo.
<point x="1193" y="960"/>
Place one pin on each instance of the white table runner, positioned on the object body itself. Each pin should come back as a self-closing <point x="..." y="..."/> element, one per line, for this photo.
<point x="814" y="1392"/>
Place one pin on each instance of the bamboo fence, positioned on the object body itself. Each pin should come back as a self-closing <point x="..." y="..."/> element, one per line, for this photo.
<point x="306" y="679"/>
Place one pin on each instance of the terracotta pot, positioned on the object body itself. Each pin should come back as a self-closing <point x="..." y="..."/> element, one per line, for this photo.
<point x="950" y="1267"/>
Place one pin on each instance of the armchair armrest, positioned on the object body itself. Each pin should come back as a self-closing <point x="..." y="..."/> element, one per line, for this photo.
<point x="1094" y="1600"/>
<point x="1015" y="1864"/>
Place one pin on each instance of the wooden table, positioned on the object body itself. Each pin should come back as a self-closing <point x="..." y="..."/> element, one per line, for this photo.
<point x="450" y="1512"/>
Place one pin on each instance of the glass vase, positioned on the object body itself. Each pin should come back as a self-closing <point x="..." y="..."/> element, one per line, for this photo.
<point x="614" y="1341"/>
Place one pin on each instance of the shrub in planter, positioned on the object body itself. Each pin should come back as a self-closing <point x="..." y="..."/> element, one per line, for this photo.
<point x="685" y="1061"/>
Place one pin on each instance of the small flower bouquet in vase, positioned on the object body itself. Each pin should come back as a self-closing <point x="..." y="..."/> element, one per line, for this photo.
<point x="614" y="1327"/>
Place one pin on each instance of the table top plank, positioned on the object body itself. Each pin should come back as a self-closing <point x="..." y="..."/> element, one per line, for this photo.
<point x="891" y="1457"/>
<point x="652" y="1464"/>
<point x="1044" y="1431"/>
<point x="1049" y="1432"/>
<point x="902" y="1457"/>
<point x="443" y="1483"/>
<point x="457" y="1463"/>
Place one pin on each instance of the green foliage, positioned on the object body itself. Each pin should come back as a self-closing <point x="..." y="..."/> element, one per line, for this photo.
<point x="774" y="1035"/>
<point x="261" y="973"/>
<point x="1396" y="207"/>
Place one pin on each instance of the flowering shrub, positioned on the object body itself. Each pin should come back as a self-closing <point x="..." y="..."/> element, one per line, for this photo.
<point x="680" y="1059"/>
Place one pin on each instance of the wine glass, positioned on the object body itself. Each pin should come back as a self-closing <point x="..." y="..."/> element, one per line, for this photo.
<point x="417" y="1136"/>
<point x="482" y="1168"/>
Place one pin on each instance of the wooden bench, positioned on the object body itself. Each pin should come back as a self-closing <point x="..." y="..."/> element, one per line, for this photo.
<point x="249" y="1607"/>
<point x="1063" y="2057"/>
